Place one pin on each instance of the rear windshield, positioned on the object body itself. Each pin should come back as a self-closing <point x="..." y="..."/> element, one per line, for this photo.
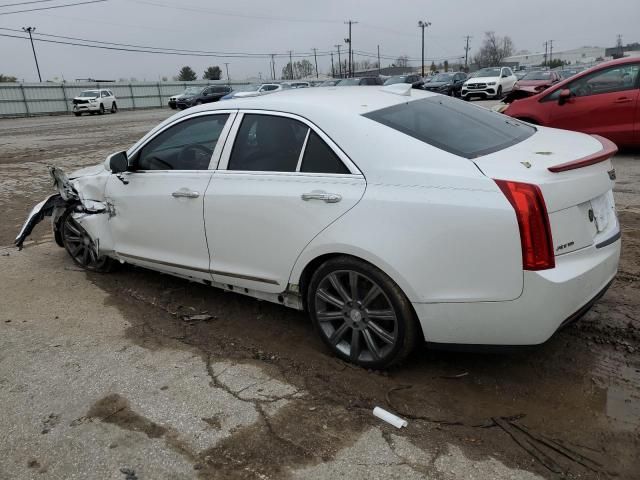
<point x="453" y="125"/>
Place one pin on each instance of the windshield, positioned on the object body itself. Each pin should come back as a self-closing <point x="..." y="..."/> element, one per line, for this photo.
<point x="443" y="77"/>
<point x="90" y="93"/>
<point x="453" y="126"/>
<point x="537" y="76"/>
<point x="328" y="83"/>
<point x="349" y="82"/>
<point x="394" y="80"/>
<point x="487" y="72"/>
<point x="192" y="90"/>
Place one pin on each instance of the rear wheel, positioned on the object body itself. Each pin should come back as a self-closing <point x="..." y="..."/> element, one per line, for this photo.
<point x="361" y="314"/>
<point x="114" y="107"/>
<point x="80" y="247"/>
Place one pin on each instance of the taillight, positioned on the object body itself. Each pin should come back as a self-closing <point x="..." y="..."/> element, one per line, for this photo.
<point x="533" y="222"/>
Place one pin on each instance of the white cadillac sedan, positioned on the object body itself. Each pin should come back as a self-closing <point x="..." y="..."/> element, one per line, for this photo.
<point x="392" y="216"/>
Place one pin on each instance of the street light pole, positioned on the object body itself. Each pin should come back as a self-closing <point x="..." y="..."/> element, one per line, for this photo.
<point x="423" y="25"/>
<point x="29" y="30"/>
<point x="339" y="61"/>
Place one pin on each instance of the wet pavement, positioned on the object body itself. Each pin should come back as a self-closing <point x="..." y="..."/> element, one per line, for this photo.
<point x="100" y="373"/>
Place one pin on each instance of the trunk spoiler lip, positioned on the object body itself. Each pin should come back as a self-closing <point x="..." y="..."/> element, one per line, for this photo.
<point x="608" y="150"/>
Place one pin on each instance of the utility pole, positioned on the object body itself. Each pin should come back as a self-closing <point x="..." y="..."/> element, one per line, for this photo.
<point x="348" y="40"/>
<point x="290" y="65"/>
<point x="227" y="67"/>
<point x="333" y="71"/>
<point x="466" y="54"/>
<point x="339" y="60"/>
<point x="379" y="66"/>
<point x="273" y="66"/>
<point x="423" y="25"/>
<point x="29" y="30"/>
<point x="315" y="57"/>
<point x="619" y="46"/>
<point x="546" y="45"/>
<point x="550" y="51"/>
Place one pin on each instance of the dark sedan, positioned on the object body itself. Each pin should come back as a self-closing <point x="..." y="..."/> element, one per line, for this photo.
<point x="449" y="83"/>
<point x="351" y="82"/>
<point x="209" y="94"/>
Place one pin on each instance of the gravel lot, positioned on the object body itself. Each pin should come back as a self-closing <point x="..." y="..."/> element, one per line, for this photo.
<point x="101" y="377"/>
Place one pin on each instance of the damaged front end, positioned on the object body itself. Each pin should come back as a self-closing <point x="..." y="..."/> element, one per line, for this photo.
<point x="83" y="193"/>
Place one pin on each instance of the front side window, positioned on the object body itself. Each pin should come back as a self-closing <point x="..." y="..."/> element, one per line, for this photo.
<point x="614" y="79"/>
<point x="104" y="94"/>
<point x="185" y="146"/>
<point x="453" y="126"/>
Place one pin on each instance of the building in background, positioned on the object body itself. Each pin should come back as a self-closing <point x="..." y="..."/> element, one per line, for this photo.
<point x="577" y="56"/>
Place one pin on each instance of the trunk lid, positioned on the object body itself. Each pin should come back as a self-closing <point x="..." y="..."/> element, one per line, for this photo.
<point x="578" y="195"/>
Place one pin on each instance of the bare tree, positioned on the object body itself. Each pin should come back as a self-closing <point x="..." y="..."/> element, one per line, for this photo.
<point x="494" y="49"/>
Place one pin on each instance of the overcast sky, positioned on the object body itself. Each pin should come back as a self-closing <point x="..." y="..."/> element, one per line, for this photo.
<point x="279" y="26"/>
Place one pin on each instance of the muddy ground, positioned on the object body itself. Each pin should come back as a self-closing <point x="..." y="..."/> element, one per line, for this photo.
<point x="101" y="376"/>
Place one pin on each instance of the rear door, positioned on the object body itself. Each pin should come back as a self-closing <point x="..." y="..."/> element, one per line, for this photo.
<point x="281" y="181"/>
<point x="603" y="102"/>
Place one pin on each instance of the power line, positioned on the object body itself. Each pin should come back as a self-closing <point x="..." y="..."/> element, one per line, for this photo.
<point x="24" y="3"/>
<point x="233" y="14"/>
<point x="54" y="6"/>
<point x="157" y="50"/>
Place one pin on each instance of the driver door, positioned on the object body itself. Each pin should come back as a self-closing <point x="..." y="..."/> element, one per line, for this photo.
<point x="158" y="221"/>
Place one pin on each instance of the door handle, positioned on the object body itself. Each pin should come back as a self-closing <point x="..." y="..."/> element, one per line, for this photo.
<point x="622" y="100"/>
<point x="324" y="196"/>
<point x="185" y="194"/>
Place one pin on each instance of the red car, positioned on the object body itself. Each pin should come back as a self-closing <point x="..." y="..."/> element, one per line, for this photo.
<point x="532" y="83"/>
<point x="603" y="100"/>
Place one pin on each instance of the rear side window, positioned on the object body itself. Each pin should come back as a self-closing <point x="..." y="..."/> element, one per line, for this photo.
<point x="268" y="143"/>
<point x="319" y="158"/>
<point x="454" y="126"/>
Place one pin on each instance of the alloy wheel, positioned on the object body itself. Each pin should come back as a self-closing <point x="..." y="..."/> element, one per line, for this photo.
<point x="80" y="246"/>
<point x="356" y="316"/>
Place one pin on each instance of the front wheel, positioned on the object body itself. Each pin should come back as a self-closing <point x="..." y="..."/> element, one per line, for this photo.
<point x="80" y="247"/>
<point x="499" y="94"/>
<point x="101" y="111"/>
<point x="77" y="114"/>
<point x="361" y="314"/>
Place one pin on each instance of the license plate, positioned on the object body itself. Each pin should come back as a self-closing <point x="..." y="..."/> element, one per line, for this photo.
<point x="603" y="210"/>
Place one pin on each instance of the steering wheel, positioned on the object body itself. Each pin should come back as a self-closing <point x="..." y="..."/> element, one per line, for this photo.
<point x="196" y="155"/>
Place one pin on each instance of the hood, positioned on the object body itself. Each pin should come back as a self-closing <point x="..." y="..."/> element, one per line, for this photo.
<point x="87" y="171"/>
<point x="482" y="80"/>
<point x="533" y="83"/>
<point x="84" y="98"/>
<point x="437" y="84"/>
<point x="246" y="94"/>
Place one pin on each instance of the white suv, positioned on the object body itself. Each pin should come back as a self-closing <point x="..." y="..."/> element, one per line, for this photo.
<point x="94" y="101"/>
<point x="492" y="82"/>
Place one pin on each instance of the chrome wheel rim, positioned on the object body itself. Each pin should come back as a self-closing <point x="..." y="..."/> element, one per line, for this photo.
<point x="356" y="316"/>
<point x="79" y="244"/>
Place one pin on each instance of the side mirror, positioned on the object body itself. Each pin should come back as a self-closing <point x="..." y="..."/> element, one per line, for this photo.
<point x="565" y="95"/>
<point x="118" y="162"/>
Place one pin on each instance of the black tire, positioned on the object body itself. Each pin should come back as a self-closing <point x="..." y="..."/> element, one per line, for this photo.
<point x="101" y="111"/>
<point x="79" y="246"/>
<point x="114" y="108"/>
<point x="377" y="330"/>
<point x="467" y="98"/>
<point x="499" y="92"/>
<point x="199" y="102"/>
<point x="77" y="114"/>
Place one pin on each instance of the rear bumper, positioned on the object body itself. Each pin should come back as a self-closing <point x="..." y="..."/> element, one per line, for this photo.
<point x="550" y="299"/>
